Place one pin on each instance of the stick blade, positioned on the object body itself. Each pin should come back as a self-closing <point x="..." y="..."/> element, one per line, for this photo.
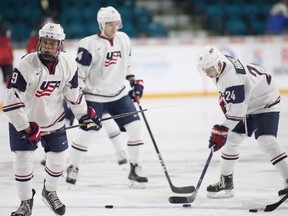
<point x="273" y="206"/>
<point x="264" y="207"/>
<point x="183" y="190"/>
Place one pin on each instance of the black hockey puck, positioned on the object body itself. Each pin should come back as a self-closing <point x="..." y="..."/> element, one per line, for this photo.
<point x="253" y="210"/>
<point x="186" y="205"/>
<point x="109" y="206"/>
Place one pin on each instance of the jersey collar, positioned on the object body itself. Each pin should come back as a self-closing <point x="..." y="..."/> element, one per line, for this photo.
<point x="111" y="40"/>
<point x="50" y="66"/>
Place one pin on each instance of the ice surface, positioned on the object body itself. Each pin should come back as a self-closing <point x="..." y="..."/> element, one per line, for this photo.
<point x="181" y="133"/>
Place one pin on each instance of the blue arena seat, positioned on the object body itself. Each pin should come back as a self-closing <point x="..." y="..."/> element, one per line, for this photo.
<point x="235" y="26"/>
<point x="129" y="29"/>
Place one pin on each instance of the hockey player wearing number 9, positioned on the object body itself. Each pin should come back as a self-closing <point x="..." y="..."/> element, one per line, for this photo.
<point x="104" y="62"/>
<point x="34" y="104"/>
<point x="250" y="101"/>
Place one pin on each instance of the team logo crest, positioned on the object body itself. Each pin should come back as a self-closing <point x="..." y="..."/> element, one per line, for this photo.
<point x="111" y="58"/>
<point x="47" y="88"/>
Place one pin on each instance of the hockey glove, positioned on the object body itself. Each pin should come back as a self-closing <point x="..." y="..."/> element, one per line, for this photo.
<point x="222" y="104"/>
<point x="218" y="137"/>
<point x="34" y="136"/>
<point x="137" y="89"/>
<point x="90" y="121"/>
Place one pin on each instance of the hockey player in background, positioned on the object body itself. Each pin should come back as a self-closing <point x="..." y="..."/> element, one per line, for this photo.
<point x="34" y="105"/>
<point x="250" y="101"/>
<point x="105" y="72"/>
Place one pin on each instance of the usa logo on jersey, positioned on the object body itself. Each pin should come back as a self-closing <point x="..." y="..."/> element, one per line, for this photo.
<point x="47" y="87"/>
<point x="112" y="58"/>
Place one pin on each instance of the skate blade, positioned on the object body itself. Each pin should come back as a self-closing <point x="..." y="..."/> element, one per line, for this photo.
<point x="48" y="205"/>
<point x="225" y="194"/>
<point x="136" y="185"/>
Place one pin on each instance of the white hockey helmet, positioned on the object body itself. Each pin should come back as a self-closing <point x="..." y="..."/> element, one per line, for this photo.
<point x="209" y="58"/>
<point x="51" y="31"/>
<point x="108" y="14"/>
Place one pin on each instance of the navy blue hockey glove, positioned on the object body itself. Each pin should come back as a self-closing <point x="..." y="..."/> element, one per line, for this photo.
<point x="137" y="89"/>
<point x="218" y="137"/>
<point x="90" y="121"/>
<point x="34" y="136"/>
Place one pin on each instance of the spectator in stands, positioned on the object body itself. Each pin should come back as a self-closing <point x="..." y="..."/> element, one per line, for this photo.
<point x="6" y="50"/>
<point x="277" y="23"/>
<point x="51" y="8"/>
<point x="6" y="56"/>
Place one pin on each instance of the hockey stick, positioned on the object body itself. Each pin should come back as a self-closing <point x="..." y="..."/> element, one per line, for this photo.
<point x="190" y="199"/>
<point x="103" y="119"/>
<point x="186" y="189"/>
<point x="254" y="207"/>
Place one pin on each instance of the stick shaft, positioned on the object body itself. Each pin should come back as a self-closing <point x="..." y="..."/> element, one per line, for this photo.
<point x="187" y="189"/>
<point x="190" y="199"/>
<point x="104" y="119"/>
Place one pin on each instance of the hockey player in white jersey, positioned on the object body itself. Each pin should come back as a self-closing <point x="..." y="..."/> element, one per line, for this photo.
<point x="104" y="62"/>
<point x="34" y="105"/>
<point x="250" y="101"/>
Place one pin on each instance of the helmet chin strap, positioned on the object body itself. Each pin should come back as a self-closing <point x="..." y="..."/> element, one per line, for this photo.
<point x="46" y="58"/>
<point x="49" y="58"/>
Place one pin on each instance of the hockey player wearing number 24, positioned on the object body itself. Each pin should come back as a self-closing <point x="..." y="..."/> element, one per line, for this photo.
<point x="250" y="101"/>
<point x="104" y="62"/>
<point x="34" y="104"/>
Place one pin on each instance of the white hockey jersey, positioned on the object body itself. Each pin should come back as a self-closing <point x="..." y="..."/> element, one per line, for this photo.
<point x="103" y="66"/>
<point x="35" y="93"/>
<point x="246" y="89"/>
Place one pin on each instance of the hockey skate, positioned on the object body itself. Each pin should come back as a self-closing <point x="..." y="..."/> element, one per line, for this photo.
<point x="136" y="181"/>
<point x="25" y="208"/>
<point x="72" y="173"/>
<point x="225" y="185"/>
<point x="51" y="199"/>
<point x="121" y="157"/>
<point x="285" y="190"/>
